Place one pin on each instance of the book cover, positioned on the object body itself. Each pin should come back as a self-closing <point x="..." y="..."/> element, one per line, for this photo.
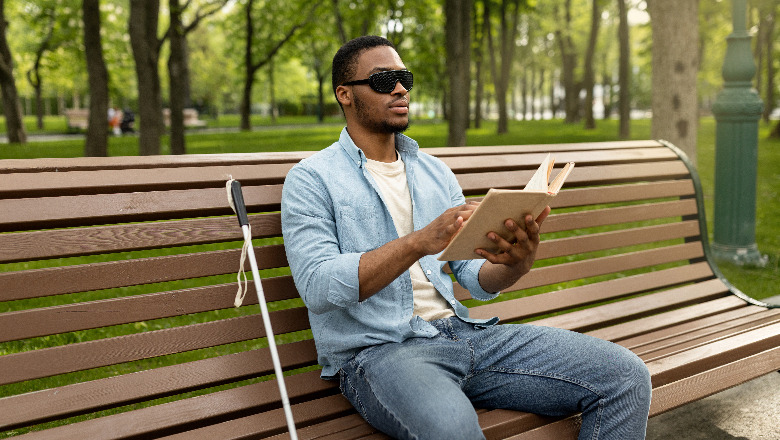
<point x="502" y="204"/>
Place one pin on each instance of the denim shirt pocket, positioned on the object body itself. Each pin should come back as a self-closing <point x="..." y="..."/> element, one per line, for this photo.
<point x="359" y="227"/>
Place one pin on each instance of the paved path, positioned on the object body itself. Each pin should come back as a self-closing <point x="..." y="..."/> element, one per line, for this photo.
<point x="750" y="411"/>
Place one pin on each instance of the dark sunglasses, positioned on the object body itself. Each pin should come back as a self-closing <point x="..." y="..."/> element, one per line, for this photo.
<point x="384" y="82"/>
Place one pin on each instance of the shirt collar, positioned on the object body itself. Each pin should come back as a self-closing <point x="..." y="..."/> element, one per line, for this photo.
<point x="405" y="145"/>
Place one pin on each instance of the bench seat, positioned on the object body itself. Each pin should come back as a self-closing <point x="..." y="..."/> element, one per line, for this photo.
<point x="118" y="279"/>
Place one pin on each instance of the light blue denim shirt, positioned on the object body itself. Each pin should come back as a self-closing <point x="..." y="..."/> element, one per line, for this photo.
<point x="332" y="213"/>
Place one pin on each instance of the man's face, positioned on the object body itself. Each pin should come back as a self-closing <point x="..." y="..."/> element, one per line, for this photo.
<point x="380" y="112"/>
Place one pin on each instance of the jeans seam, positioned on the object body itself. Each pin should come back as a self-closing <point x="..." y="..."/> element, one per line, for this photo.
<point x="574" y="381"/>
<point x="384" y="407"/>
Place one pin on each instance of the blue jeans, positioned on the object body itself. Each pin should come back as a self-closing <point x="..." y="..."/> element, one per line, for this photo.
<point x="427" y="388"/>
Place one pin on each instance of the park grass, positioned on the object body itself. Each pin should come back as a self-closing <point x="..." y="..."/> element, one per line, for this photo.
<point x="301" y="134"/>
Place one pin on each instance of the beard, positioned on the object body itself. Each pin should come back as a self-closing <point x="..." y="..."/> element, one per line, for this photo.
<point x="380" y="126"/>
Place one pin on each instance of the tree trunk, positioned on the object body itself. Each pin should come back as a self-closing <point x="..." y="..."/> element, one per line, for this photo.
<point x="458" y="46"/>
<point x="479" y="57"/>
<point x="176" y="66"/>
<point x="675" y="66"/>
<point x="507" y="36"/>
<point x="524" y="93"/>
<point x="624" y="72"/>
<point x="569" y="65"/>
<point x="97" y="131"/>
<point x="589" y="78"/>
<point x="11" y="105"/>
<point x="249" y="72"/>
<point x="272" y="92"/>
<point x="145" y="44"/>
<point x="769" y="46"/>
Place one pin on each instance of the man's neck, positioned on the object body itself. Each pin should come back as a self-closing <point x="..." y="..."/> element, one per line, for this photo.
<point x="376" y="146"/>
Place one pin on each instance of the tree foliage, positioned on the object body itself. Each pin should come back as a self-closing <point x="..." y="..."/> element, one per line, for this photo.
<point x="553" y="58"/>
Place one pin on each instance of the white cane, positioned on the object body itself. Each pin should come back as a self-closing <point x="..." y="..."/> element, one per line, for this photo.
<point x="236" y="200"/>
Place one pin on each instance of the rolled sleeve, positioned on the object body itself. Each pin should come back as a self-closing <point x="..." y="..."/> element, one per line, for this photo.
<point x="325" y="278"/>
<point x="467" y="274"/>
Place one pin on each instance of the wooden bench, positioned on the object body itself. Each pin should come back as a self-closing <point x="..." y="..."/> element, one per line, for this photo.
<point x="117" y="282"/>
<point x="190" y="118"/>
<point x="77" y="118"/>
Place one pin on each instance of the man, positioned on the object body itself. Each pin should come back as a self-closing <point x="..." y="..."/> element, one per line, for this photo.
<point x="363" y="221"/>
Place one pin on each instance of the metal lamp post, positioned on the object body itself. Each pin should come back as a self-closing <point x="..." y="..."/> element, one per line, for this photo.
<point x="737" y="111"/>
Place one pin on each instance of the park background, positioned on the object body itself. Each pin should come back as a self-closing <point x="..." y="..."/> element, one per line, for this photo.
<point x="487" y="72"/>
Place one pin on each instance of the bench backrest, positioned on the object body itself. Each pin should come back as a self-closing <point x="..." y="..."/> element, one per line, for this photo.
<point x="127" y="265"/>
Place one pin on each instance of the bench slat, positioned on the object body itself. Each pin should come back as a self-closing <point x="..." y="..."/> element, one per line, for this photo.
<point x="34" y="245"/>
<point x="623" y="214"/>
<point x="658" y="327"/>
<point x="699" y="359"/>
<point x="702" y="325"/>
<point x="151" y="162"/>
<point x="540" y="148"/>
<point x="68" y="211"/>
<point x="13" y="185"/>
<point x="93" y="276"/>
<point x="116" y="181"/>
<point x="699" y="386"/>
<point x="46" y="362"/>
<point x="550" y="302"/>
<point x="581" y="244"/>
<point x="102" y="313"/>
<point x="470" y="164"/>
<point x="615" y="313"/>
<point x="628" y="192"/>
<point x="702" y="338"/>
<point x="606" y="265"/>
<point x="81" y="398"/>
<point x="479" y="183"/>
<point x="160" y="421"/>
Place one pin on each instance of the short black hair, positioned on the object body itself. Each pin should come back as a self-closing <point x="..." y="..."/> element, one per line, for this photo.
<point x="345" y="60"/>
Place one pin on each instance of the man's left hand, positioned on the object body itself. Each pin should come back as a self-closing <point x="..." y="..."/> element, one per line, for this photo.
<point x="519" y="253"/>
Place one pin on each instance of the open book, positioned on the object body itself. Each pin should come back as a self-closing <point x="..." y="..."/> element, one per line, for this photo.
<point x="502" y="204"/>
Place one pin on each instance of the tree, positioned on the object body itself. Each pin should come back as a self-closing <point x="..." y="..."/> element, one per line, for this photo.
<point x="589" y="78"/>
<point x="47" y="16"/>
<point x="458" y="45"/>
<point x="97" y="134"/>
<point x="178" y="64"/>
<point x="509" y="14"/>
<point x="568" y="64"/>
<point x="675" y="108"/>
<point x="765" y="48"/>
<point x="279" y="27"/>
<point x="144" y="16"/>
<point x="624" y="72"/>
<point x="11" y="105"/>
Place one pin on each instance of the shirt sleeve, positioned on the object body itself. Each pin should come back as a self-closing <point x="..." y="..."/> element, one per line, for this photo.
<point x="325" y="278"/>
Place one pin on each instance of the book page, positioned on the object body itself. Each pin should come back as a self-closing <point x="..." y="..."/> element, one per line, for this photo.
<point x="540" y="178"/>
<point x="556" y="184"/>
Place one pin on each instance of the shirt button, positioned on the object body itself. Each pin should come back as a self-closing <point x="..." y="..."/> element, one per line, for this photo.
<point x="427" y="272"/>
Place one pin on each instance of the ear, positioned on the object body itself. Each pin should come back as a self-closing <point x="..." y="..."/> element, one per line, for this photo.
<point x="344" y="95"/>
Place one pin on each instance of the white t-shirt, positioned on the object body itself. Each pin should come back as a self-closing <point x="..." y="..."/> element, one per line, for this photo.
<point x="391" y="180"/>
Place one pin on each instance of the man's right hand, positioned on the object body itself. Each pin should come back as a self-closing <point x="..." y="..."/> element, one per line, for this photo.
<point x="434" y="237"/>
<point x="381" y="266"/>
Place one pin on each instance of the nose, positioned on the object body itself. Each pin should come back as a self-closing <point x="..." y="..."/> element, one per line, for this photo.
<point x="399" y="89"/>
